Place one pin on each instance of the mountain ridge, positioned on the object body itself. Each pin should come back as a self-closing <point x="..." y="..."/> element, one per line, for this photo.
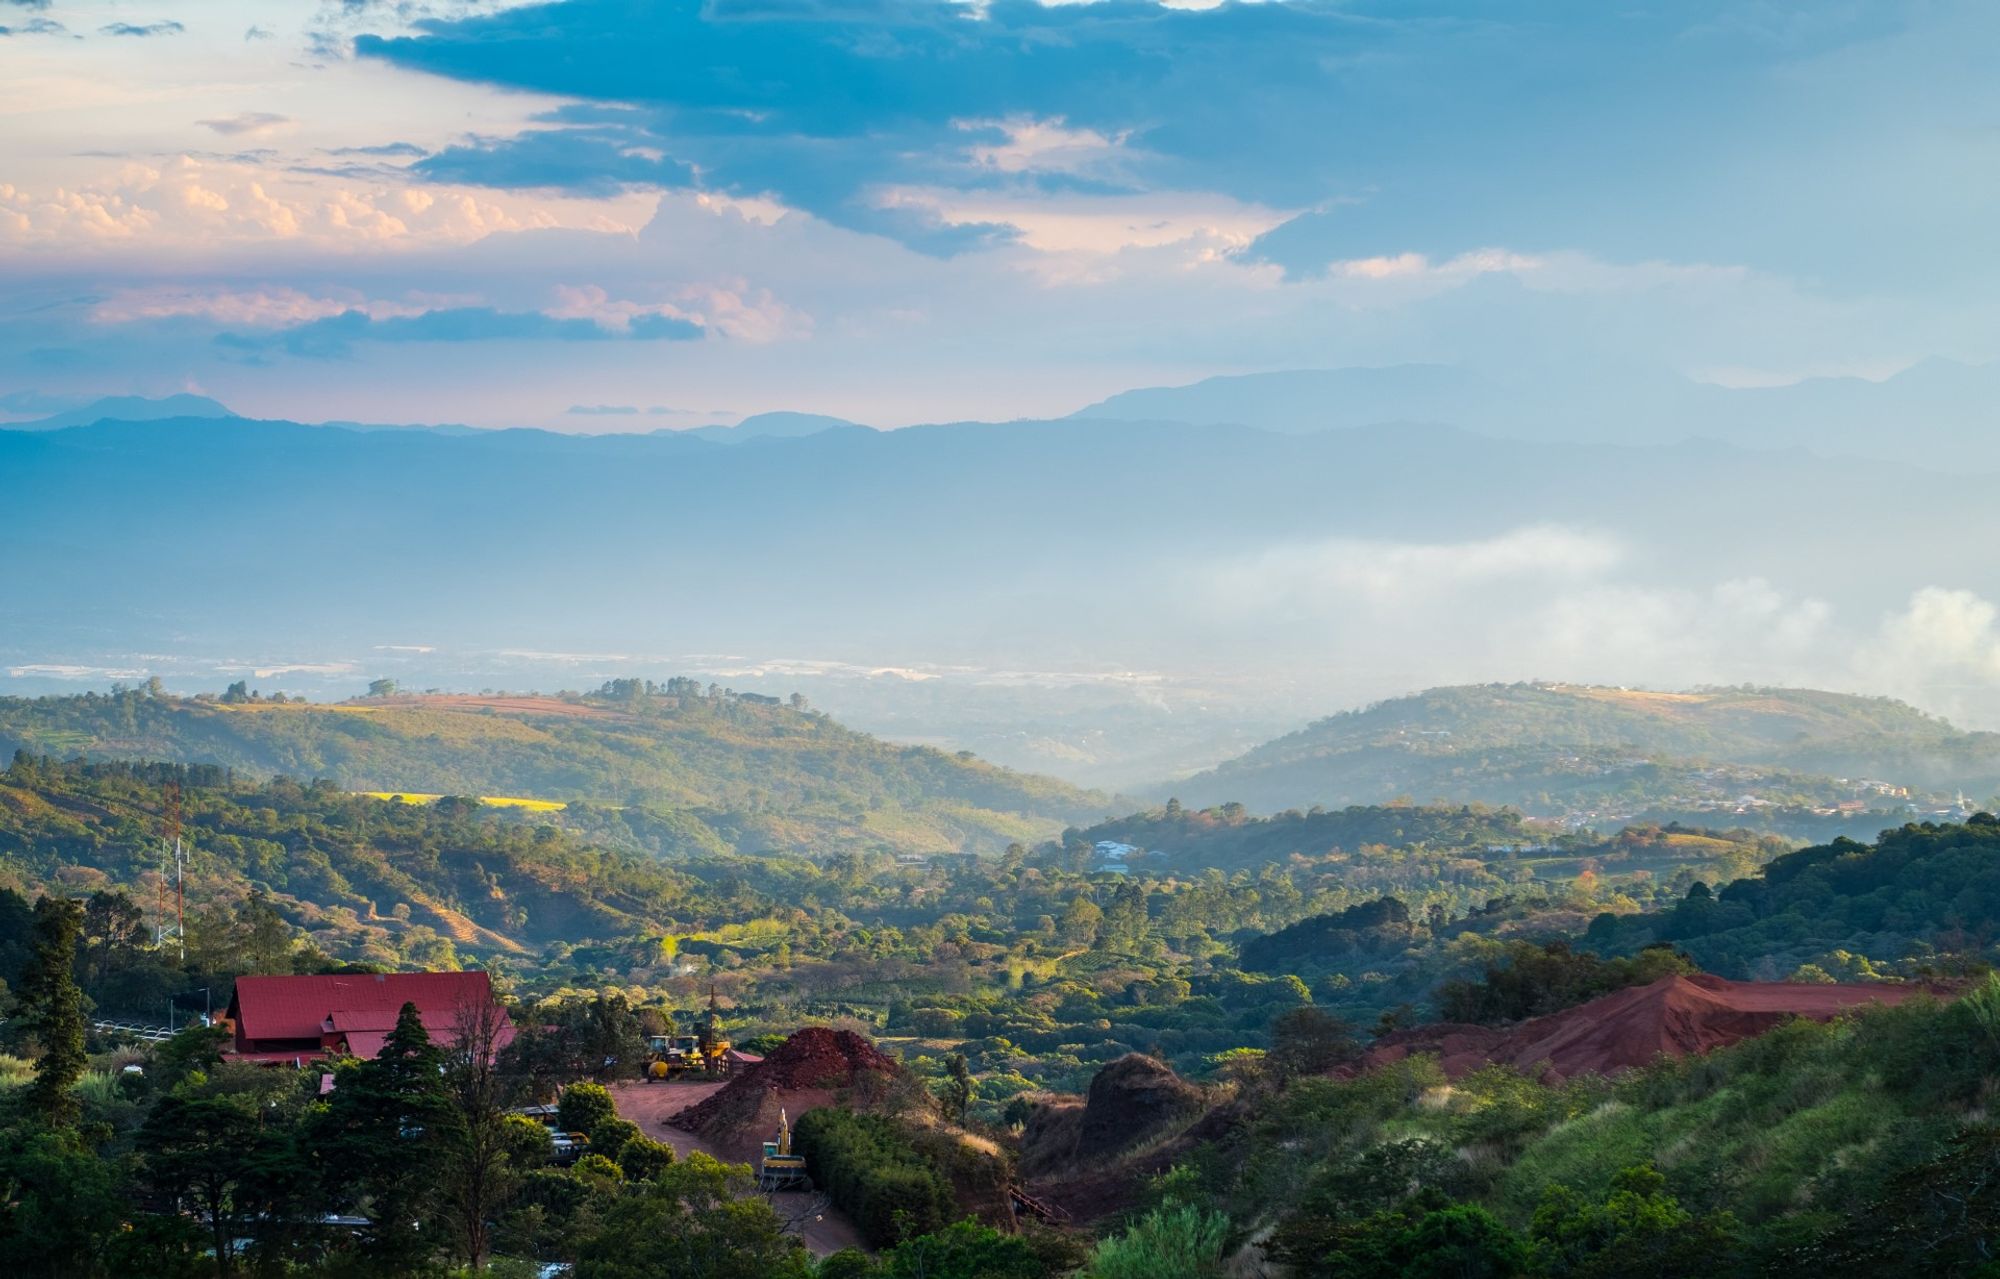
<point x="1536" y="745"/>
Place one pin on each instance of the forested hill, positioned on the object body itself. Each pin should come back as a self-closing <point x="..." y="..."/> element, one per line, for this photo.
<point x="1546" y="746"/>
<point x="719" y="771"/>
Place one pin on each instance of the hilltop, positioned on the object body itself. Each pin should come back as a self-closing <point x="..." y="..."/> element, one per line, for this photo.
<point x="1556" y="748"/>
<point x="732" y="772"/>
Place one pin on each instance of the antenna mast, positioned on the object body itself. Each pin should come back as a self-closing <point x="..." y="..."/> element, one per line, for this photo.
<point x="171" y="843"/>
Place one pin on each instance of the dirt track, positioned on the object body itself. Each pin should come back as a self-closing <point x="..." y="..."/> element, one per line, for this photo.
<point x="651" y="1105"/>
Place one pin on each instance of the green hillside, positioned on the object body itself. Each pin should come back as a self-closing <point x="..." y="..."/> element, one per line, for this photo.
<point x="1556" y="748"/>
<point x="714" y="770"/>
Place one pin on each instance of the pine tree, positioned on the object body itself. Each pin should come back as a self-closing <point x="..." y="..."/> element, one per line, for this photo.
<point x="379" y="1139"/>
<point x="54" y="1008"/>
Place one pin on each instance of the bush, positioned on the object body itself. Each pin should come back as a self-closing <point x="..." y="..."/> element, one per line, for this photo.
<point x="642" y="1157"/>
<point x="583" y="1107"/>
<point x="1176" y="1241"/>
<point x="610" y="1137"/>
<point x="965" y="1250"/>
<point x="868" y="1165"/>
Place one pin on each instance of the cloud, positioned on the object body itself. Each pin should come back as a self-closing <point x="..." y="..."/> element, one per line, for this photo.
<point x="249" y="123"/>
<point x="266" y="306"/>
<point x="205" y="203"/>
<point x="136" y="29"/>
<point x="36" y="27"/>
<point x="335" y="336"/>
<point x="1630" y="131"/>
<point x="603" y="410"/>
<point x="387" y="150"/>
<point x="256" y="33"/>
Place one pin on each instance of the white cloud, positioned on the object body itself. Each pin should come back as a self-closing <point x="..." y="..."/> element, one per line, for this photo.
<point x="1338" y="575"/>
<point x="216" y="204"/>
<point x="1044" y="146"/>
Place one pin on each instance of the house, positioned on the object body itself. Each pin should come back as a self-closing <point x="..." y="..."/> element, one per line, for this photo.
<point x="292" y="1020"/>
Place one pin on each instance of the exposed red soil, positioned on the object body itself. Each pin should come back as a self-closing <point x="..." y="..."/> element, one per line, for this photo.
<point x="1091" y="1158"/>
<point x="822" y="1227"/>
<point x="815" y="1067"/>
<point x="1677" y="1016"/>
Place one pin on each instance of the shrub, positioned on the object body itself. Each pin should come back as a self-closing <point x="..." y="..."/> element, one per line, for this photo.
<point x="583" y="1107"/>
<point x="642" y="1157"/>
<point x="610" y="1137"/>
<point x="1176" y="1241"/>
<point x="873" y="1172"/>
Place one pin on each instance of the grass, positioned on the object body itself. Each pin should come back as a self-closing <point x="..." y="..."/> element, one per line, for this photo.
<point x="491" y="801"/>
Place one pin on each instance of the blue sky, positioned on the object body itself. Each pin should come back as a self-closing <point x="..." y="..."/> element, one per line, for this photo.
<point x="902" y="212"/>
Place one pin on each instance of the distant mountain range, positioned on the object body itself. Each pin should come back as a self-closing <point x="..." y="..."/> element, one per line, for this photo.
<point x="126" y="408"/>
<point x="769" y="426"/>
<point x="1194" y="580"/>
<point x="1552" y="749"/>
<point x="1937" y="413"/>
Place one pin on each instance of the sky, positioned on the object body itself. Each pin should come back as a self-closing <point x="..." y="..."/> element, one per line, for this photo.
<point x="629" y="214"/>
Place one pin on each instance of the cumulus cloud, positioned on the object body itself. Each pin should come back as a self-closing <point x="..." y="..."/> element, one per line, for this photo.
<point x="1373" y="617"/>
<point x="1941" y="651"/>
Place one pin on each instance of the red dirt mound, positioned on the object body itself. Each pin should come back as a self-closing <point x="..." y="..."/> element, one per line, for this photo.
<point x="1132" y="1100"/>
<point x="1675" y="1015"/>
<point x="815" y="1067"/>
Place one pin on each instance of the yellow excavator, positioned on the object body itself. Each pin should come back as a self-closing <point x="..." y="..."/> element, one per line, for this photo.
<point x="780" y="1169"/>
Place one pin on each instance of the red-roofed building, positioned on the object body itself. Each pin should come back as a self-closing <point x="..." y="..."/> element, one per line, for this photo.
<point x="296" y="1019"/>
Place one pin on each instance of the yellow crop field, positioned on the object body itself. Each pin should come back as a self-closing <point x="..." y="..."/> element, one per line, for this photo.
<point x="494" y="801"/>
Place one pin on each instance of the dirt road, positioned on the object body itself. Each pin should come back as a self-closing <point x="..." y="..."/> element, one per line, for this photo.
<point x="820" y="1226"/>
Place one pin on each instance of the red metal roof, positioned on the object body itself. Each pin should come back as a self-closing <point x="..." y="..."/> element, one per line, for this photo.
<point x="360" y="1006"/>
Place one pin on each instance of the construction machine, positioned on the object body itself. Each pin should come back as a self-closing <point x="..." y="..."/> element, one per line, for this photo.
<point x="780" y="1168"/>
<point x="706" y="1051"/>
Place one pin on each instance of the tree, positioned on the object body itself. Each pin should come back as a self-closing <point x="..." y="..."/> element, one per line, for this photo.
<point x="59" y="1204"/>
<point x="1081" y="920"/>
<point x="381" y="688"/>
<point x="583" y="1107"/>
<point x="1307" y="1041"/>
<point x="959" y="1086"/>
<point x="1636" y="1231"/>
<point x="378" y="1139"/>
<point x="53" y="1008"/>
<point x="477" y="1177"/>
<point x="691" y="1221"/>
<point x="205" y="1148"/>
